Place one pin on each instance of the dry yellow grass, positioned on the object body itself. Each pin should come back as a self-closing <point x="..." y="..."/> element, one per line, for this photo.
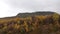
<point x="48" y="24"/>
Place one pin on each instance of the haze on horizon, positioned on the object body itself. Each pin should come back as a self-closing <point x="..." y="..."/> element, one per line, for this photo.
<point x="13" y="7"/>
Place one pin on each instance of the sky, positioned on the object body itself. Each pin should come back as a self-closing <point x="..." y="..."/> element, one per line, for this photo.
<point x="13" y="7"/>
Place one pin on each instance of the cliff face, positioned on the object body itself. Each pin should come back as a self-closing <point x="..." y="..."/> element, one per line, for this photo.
<point x="31" y="23"/>
<point x="34" y="13"/>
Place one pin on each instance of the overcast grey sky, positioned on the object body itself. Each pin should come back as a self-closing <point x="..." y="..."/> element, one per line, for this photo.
<point x="13" y="7"/>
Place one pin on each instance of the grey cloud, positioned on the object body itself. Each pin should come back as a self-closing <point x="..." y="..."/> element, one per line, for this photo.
<point x="13" y="7"/>
<point x="34" y="5"/>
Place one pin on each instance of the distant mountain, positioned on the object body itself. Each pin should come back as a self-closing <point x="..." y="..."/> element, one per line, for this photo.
<point x="34" y="13"/>
<point x="37" y="13"/>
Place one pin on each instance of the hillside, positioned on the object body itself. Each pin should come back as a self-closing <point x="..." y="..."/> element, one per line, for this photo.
<point x="31" y="23"/>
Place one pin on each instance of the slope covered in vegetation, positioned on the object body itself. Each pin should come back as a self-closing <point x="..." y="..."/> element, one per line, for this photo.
<point x="37" y="24"/>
